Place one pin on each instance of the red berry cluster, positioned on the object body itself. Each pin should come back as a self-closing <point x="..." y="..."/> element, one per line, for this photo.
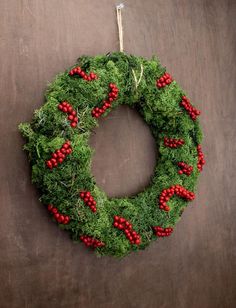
<point x="59" y="155"/>
<point x="201" y="160"/>
<point x="192" y="111"/>
<point x="122" y="224"/>
<point x="97" y="112"/>
<point x="61" y="219"/>
<point x="161" y="232"/>
<point x="168" y="193"/>
<point x="89" y="241"/>
<point x="78" y="71"/>
<point x="88" y="200"/>
<point x="185" y="168"/>
<point x="72" y="115"/>
<point x="173" y="143"/>
<point x="164" y="80"/>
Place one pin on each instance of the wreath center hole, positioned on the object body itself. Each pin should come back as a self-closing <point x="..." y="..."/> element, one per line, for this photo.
<point x="125" y="153"/>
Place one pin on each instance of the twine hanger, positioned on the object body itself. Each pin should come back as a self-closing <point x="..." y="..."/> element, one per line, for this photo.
<point x="119" y="8"/>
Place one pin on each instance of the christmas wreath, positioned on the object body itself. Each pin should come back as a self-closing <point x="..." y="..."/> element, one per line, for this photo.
<point x="60" y="155"/>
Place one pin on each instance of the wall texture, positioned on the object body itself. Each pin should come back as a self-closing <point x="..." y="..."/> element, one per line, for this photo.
<point x="40" y="267"/>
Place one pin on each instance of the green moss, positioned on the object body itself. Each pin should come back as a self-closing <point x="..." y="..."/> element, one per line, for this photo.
<point x="60" y="186"/>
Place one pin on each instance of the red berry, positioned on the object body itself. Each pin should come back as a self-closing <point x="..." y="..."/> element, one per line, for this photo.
<point x="69" y="109"/>
<point x="82" y="194"/>
<point x="54" y="210"/>
<point x="50" y="207"/>
<point x="65" y="145"/>
<point x="54" y="155"/>
<point x="49" y="164"/>
<point x="73" y="124"/>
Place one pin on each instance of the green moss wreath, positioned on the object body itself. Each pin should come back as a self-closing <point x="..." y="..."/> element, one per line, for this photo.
<point x="60" y="155"/>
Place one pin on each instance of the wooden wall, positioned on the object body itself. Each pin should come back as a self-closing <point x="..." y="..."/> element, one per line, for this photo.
<point x="40" y="266"/>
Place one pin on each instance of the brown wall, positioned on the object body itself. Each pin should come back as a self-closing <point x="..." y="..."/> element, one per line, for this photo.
<point x="195" y="267"/>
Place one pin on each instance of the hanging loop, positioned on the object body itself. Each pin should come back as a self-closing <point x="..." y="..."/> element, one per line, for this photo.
<point x="119" y="8"/>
